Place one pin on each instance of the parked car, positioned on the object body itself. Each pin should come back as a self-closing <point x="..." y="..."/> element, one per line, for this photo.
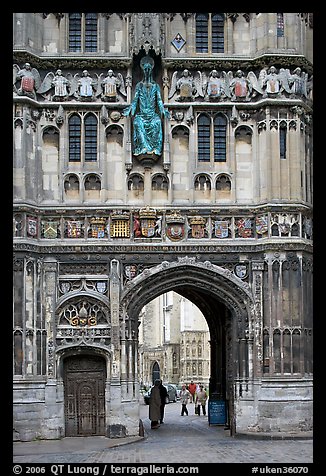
<point x="172" y="394"/>
<point x="179" y="387"/>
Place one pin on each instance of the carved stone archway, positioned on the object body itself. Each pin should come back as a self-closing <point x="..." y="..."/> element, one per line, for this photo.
<point x="228" y="306"/>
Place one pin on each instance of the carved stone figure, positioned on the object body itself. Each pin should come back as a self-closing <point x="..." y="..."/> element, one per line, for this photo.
<point x="186" y="87"/>
<point x="271" y="81"/>
<point x="217" y="86"/>
<point x="298" y="80"/>
<point x="58" y="82"/>
<point x="111" y="86"/>
<point x="147" y="109"/>
<point x="86" y="85"/>
<point x="30" y="80"/>
<point x="243" y="87"/>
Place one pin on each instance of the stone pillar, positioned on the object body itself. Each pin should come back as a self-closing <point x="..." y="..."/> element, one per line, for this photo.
<point x="257" y="288"/>
<point x="115" y="428"/>
<point x="53" y="414"/>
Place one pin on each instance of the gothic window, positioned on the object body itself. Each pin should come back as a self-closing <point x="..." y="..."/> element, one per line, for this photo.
<point x="296" y="338"/>
<point x="71" y="186"/>
<point x="203" y="138"/>
<point x="83" y="32"/>
<point x="82" y="138"/>
<point x="202" y="182"/>
<point x="211" y="138"/>
<point x="277" y="350"/>
<point x="219" y="138"/>
<point x="74" y="138"/>
<point x="266" y="351"/>
<point x="193" y="348"/>
<point x="283" y="141"/>
<point x="159" y="182"/>
<point x="223" y="183"/>
<point x="136" y="183"/>
<point x="18" y="352"/>
<point x="90" y="138"/>
<point x="209" y="32"/>
<point x="92" y="182"/>
<point x="280" y="25"/>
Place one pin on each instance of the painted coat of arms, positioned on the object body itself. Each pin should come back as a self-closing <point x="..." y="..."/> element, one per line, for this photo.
<point x="131" y="271"/>
<point x="261" y="225"/>
<point x="147" y="217"/>
<point x="31" y="226"/>
<point x="244" y="227"/>
<point x="74" y="228"/>
<point x="175" y="226"/>
<point x="97" y="229"/>
<point x="50" y="229"/>
<point x="221" y="229"/>
<point x="198" y="229"/>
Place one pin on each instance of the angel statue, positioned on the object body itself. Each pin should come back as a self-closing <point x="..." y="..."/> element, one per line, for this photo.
<point x="59" y="83"/>
<point x="187" y="87"/>
<point x="83" y="87"/>
<point x="147" y="109"/>
<point x="298" y="80"/>
<point x="242" y="87"/>
<point x="111" y="86"/>
<point x="217" y="86"/>
<point x="30" y="80"/>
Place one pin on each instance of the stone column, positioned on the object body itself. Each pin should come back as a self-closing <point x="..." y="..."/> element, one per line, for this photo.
<point x="53" y="415"/>
<point x="257" y="288"/>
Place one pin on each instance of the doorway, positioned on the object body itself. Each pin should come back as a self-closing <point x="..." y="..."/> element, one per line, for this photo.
<point x="84" y="390"/>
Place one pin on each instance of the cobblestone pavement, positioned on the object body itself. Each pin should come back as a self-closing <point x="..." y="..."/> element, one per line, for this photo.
<point x="181" y="439"/>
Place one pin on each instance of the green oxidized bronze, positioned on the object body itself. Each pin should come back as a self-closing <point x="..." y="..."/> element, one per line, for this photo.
<point x="147" y="109"/>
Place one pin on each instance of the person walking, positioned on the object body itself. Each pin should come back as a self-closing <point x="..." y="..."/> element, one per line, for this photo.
<point x="185" y="396"/>
<point x="155" y="405"/>
<point x="192" y="389"/>
<point x="164" y="395"/>
<point x="201" y="398"/>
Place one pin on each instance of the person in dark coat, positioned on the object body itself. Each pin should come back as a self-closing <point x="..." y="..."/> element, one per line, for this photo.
<point x="155" y="405"/>
<point x="164" y="395"/>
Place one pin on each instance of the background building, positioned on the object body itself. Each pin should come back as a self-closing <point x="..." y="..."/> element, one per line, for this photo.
<point x="158" y="152"/>
<point x="173" y="342"/>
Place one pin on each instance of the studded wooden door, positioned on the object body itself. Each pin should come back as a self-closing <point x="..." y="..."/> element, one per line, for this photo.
<point x="84" y="387"/>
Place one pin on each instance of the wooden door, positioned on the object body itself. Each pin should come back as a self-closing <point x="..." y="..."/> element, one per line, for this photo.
<point x="84" y="387"/>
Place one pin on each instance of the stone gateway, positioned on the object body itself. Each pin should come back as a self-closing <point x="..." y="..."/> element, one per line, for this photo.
<point x="191" y="173"/>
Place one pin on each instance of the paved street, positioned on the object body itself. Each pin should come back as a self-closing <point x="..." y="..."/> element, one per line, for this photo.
<point x="181" y="439"/>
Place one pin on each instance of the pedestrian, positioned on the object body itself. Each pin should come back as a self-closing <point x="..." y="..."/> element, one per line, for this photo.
<point x="185" y="396"/>
<point x="155" y="405"/>
<point x="192" y="389"/>
<point x="201" y="398"/>
<point x="164" y="395"/>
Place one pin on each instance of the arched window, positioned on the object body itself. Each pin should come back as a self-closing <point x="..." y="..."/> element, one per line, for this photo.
<point x="203" y="183"/>
<point x="74" y="138"/>
<point x="210" y="33"/>
<point x="83" y="32"/>
<point x="223" y="183"/>
<point x="211" y="138"/>
<point x="92" y="182"/>
<point x="219" y="138"/>
<point x="283" y="141"/>
<point x="159" y="182"/>
<point x="204" y="138"/>
<point x="82" y="138"/>
<point x="136" y="182"/>
<point x="90" y="138"/>
<point x="280" y="25"/>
